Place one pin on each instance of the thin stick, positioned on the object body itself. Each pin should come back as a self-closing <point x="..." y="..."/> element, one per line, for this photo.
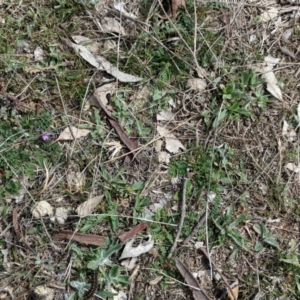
<point x="195" y="229"/>
<point x="183" y="208"/>
<point x="216" y="269"/>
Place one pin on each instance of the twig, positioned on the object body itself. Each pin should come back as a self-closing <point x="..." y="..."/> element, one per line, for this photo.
<point x="183" y="205"/>
<point x="216" y="269"/>
<point x="195" y="229"/>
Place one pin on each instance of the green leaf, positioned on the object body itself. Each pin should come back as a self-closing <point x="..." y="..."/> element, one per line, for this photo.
<point x="220" y="116"/>
<point x="138" y="186"/>
<point x="271" y="240"/>
<point x="238" y="220"/>
<point x="258" y="246"/>
<point x="257" y="228"/>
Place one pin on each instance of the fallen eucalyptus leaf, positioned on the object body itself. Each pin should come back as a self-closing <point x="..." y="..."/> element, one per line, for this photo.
<point x="88" y="206"/>
<point x="70" y="133"/>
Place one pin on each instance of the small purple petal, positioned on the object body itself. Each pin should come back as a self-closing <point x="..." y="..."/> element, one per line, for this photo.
<point x="46" y="136"/>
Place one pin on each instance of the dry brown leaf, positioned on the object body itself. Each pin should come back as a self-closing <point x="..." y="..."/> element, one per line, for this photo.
<point x="130" y="144"/>
<point x="88" y="206"/>
<point x="16" y="223"/>
<point x="235" y="292"/>
<point x="71" y="133"/>
<point x="133" y="232"/>
<point x="172" y="143"/>
<point x="88" y="239"/>
<point x="191" y="281"/>
<point x="175" y="4"/>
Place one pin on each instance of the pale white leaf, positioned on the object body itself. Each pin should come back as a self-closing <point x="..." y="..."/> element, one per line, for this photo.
<point x="104" y="90"/>
<point x="196" y="84"/>
<point x="72" y="132"/>
<point x="120" y="7"/>
<point x="288" y="132"/>
<point x="38" y="54"/>
<point x="112" y="70"/>
<point x="61" y="215"/>
<point x="88" y="56"/>
<point x="270" y="60"/>
<point x="118" y="295"/>
<point x="87" y="207"/>
<point x="91" y="45"/>
<point x="156" y="280"/>
<point x="129" y="264"/>
<point x="172" y="143"/>
<point x="112" y="25"/>
<point x="44" y="292"/>
<point x="165" y="115"/>
<point x="269" y="14"/>
<point x="143" y="247"/>
<point x="115" y="147"/>
<point x="293" y="167"/>
<point x="287" y="34"/>
<point x="298" y="111"/>
<point x="164" y="157"/>
<point x="42" y="208"/>
<point x="272" y="84"/>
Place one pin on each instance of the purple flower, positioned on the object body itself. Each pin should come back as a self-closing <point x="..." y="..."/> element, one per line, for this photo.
<point x="46" y="136"/>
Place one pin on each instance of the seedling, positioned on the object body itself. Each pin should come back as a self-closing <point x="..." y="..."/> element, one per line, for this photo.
<point x="266" y="237"/>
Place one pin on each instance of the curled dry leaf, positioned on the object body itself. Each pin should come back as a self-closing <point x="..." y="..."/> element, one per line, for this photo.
<point x="44" y="292"/>
<point x="288" y="132"/>
<point x="71" y="133"/>
<point x="172" y="143"/>
<point x="91" y="45"/>
<point x="88" y="206"/>
<point x="196" y="84"/>
<point x="234" y="293"/>
<point x="130" y="263"/>
<point x="293" y="167"/>
<point x="42" y="208"/>
<point x="156" y="280"/>
<point x="88" y="239"/>
<point x="112" y="25"/>
<point x="75" y="181"/>
<point x="164" y="157"/>
<point x="38" y="54"/>
<point x="143" y="247"/>
<point x="61" y="215"/>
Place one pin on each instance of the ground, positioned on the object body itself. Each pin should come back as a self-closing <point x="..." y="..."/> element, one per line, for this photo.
<point x="135" y="123"/>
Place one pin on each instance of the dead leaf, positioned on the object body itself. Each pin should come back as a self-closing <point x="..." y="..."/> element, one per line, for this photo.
<point x="71" y="133"/>
<point x="233" y="294"/>
<point x="16" y="223"/>
<point x="198" y="294"/>
<point x="91" y="45"/>
<point x="88" y="239"/>
<point x="102" y="63"/>
<point x="172" y="143"/>
<point x="272" y="83"/>
<point x="112" y="25"/>
<point x="88" y="206"/>
<point x="143" y="247"/>
<point x="165" y="115"/>
<point x="61" y="215"/>
<point x="38" y="54"/>
<point x="103" y="91"/>
<point x="133" y="232"/>
<point x="164" y="157"/>
<point x="175" y="4"/>
<point x="288" y="132"/>
<point x="293" y="167"/>
<point x="42" y="208"/>
<point x="75" y="180"/>
<point x="270" y="14"/>
<point x="196" y="84"/>
<point x="156" y="280"/>
<point x="116" y="147"/>
<point x="131" y="145"/>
